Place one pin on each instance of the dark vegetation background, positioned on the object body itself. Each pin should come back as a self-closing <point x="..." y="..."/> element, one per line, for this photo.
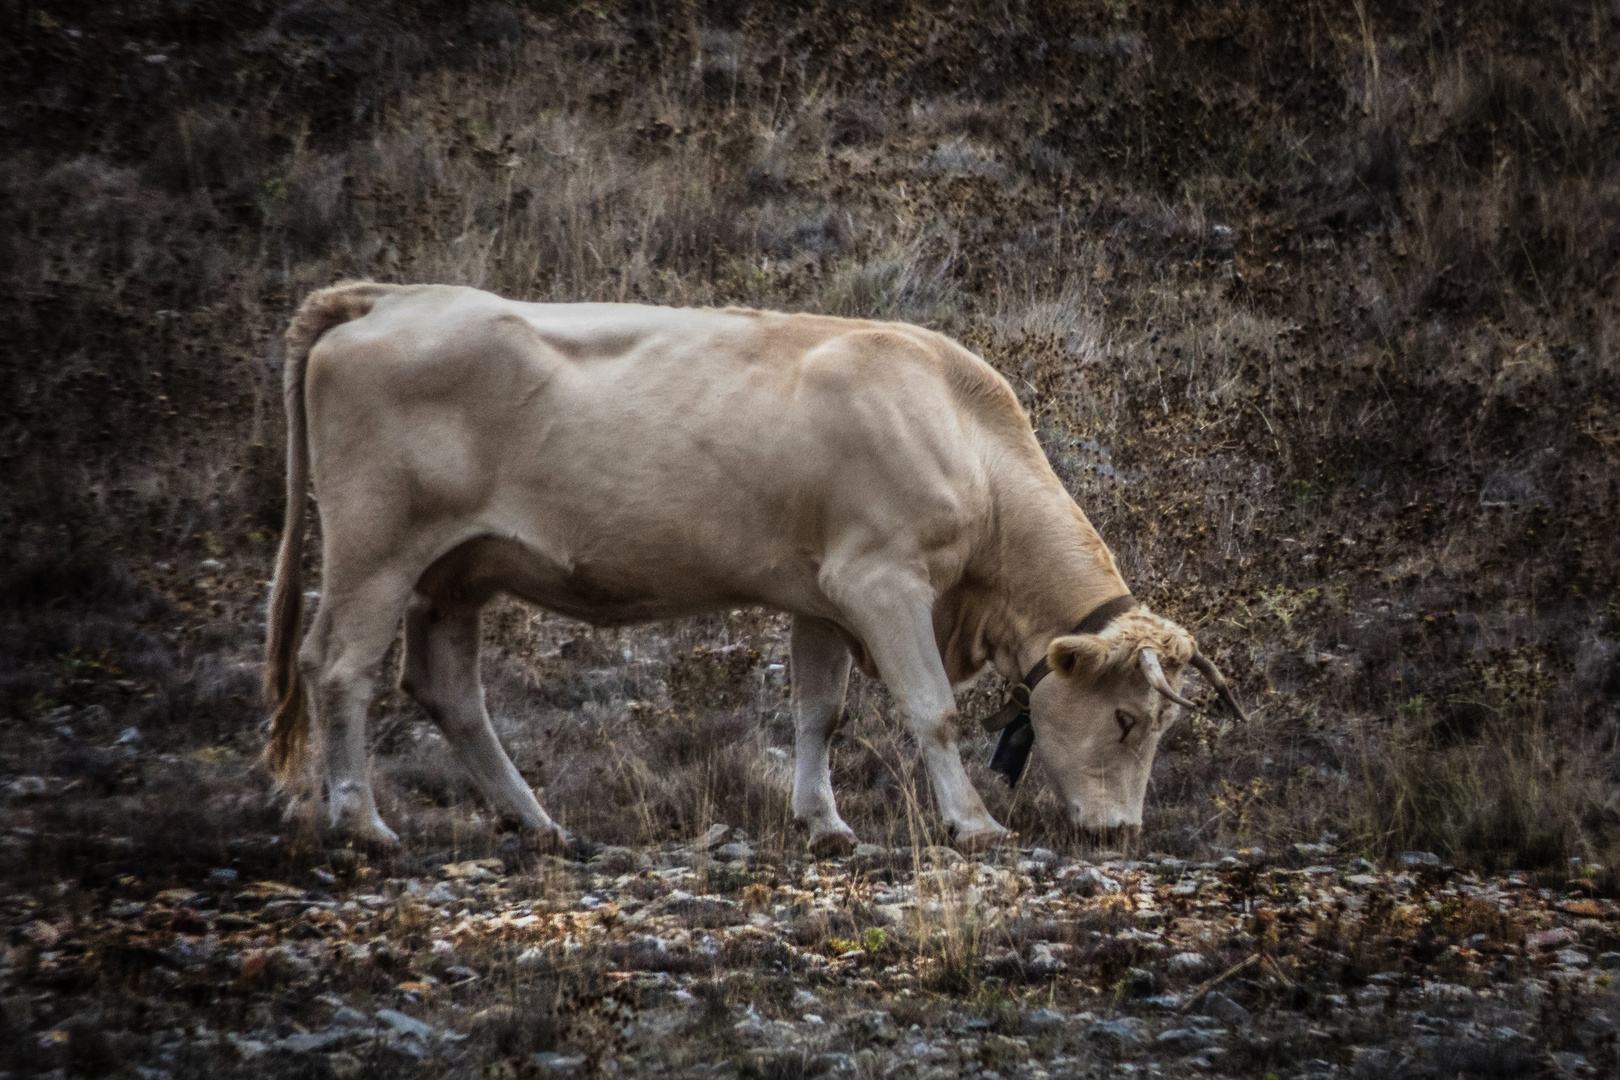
<point x="1313" y="307"/>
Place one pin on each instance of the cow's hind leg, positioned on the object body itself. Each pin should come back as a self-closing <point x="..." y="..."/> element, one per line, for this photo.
<point x="340" y="658"/>
<point x="440" y="671"/>
<point x="820" y="675"/>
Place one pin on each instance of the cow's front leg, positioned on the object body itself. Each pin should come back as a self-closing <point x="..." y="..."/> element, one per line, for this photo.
<point x="894" y="617"/>
<point x="820" y="675"/>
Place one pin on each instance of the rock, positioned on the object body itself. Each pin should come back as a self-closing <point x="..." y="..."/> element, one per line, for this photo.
<point x="1595" y="1032"/>
<point x="618" y="860"/>
<point x="1609" y="960"/>
<point x="1043" y="1020"/>
<point x="875" y="1025"/>
<point x="1125" y="1031"/>
<point x="128" y="737"/>
<point x="1142" y="981"/>
<point x="475" y="870"/>
<point x="1572" y="958"/>
<point x="704" y="911"/>
<point x="553" y="1063"/>
<point x="869" y="854"/>
<point x="941" y="856"/>
<point x="1089" y="881"/>
<point x="1185" y="1040"/>
<point x="1041" y="961"/>
<point x="1415" y="859"/>
<point x="1186" y="962"/>
<point x="1547" y="939"/>
<point x="830" y="1065"/>
<point x="713" y="837"/>
<point x="26" y="787"/>
<point x="1164" y="1002"/>
<point x="1224" y="1008"/>
<point x="734" y="853"/>
<point x="405" y="1025"/>
<point x="313" y="1041"/>
<point x="441" y="893"/>
<point x="349" y="1016"/>
<point x="1004" y="1051"/>
<point x="804" y="999"/>
<point x="343" y="1065"/>
<point x="222" y="876"/>
<point x="532" y="955"/>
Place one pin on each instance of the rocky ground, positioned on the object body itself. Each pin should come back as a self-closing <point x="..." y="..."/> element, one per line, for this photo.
<point x="709" y="958"/>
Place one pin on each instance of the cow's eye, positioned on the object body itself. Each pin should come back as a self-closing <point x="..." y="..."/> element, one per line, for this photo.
<point x="1126" y="722"/>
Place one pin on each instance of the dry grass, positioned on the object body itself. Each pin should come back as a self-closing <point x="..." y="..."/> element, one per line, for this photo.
<point x="1318" y="330"/>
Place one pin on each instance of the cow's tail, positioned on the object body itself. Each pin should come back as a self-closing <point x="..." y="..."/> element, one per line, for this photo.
<point x="283" y="681"/>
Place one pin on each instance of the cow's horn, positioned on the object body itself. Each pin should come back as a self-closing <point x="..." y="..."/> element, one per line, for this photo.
<point x="1207" y="670"/>
<point x="1156" y="679"/>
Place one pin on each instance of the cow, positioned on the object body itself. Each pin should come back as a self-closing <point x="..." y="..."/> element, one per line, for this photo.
<point x="619" y="463"/>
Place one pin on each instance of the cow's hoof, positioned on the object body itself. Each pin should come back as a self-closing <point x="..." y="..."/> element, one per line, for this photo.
<point x="555" y="840"/>
<point x="369" y="836"/>
<point x="981" y="839"/>
<point x="832" y="845"/>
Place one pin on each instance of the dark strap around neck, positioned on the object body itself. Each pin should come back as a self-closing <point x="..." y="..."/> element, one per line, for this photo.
<point x="1017" y="706"/>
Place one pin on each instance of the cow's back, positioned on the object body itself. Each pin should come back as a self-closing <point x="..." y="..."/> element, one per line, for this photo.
<point x="651" y="461"/>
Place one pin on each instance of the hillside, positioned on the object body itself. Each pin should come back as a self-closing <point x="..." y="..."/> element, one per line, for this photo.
<point x="1313" y="311"/>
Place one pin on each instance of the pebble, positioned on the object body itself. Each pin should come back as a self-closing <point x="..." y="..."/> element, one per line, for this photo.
<point x="1125" y="1030"/>
<point x="405" y="1025"/>
<point x="1224" y="1008"/>
<point x="1185" y="1040"/>
<point x="734" y="853"/>
<point x="1043" y="1020"/>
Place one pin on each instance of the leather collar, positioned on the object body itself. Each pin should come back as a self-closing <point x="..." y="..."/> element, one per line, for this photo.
<point x="1012" y="719"/>
<point x="1018" y="693"/>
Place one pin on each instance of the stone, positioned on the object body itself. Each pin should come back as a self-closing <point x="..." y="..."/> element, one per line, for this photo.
<point x="1043" y="1020"/>
<point x="348" y="1016"/>
<point x="313" y="1041"/>
<point x="874" y="1025"/>
<point x="1089" y="881"/>
<point x="1125" y="1031"/>
<point x="618" y="860"/>
<point x="343" y="1065"/>
<point x="26" y="787"/>
<point x="1609" y="961"/>
<point x="1414" y="859"/>
<point x="1042" y="961"/>
<point x="1184" y="1040"/>
<point x="553" y="1063"/>
<point x="1572" y="958"/>
<point x="735" y="852"/>
<point x="714" y="836"/>
<point x="474" y="870"/>
<point x="1186" y="962"/>
<point x="1224" y="1008"/>
<point x="1547" y="939"/>
<point x="831" y="1065"/>
<point x="441" y="893"/>
<point x="405" y="1025"/>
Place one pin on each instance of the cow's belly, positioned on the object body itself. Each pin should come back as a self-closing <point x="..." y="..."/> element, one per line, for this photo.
<point x="605" y="592"/>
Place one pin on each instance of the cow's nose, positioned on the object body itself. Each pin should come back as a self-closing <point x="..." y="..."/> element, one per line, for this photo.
<point x="1108" y="824"/>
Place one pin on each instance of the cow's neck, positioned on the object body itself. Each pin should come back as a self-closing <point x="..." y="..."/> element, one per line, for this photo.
<point x="1053" y="570"/>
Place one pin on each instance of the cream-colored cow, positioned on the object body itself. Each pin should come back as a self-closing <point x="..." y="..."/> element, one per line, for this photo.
<point x="619" y="463"/>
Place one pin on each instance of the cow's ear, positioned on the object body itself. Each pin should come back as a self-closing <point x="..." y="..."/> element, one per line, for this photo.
<point x="1078" y="656"/>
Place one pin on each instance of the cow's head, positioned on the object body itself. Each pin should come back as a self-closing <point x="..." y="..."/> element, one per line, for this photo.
<point x="1099" y="716"/>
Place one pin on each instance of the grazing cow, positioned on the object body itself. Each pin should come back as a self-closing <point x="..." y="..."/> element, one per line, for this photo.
<point x="620" y="463"/>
